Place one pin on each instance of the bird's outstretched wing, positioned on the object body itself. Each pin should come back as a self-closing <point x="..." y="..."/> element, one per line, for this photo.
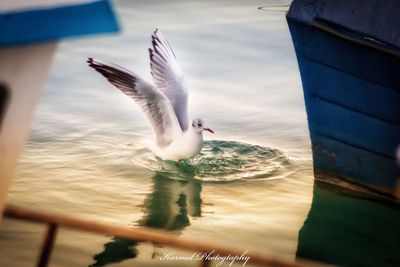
<point x="153" y="103"/>
<point x="168" y="77"/>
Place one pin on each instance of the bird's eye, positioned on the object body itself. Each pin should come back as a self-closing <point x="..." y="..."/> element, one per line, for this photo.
<point x="200" y="124"/>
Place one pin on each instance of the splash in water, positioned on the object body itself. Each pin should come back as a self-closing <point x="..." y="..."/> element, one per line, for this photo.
<point x="222" y="161"/>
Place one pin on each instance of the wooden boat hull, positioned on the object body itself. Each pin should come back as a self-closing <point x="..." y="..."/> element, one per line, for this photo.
<point x="352" y="96"/>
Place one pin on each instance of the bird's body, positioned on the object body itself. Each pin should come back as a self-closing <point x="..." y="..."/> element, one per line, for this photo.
<point x="185" y="146"/>
<point x="165" y="105"/>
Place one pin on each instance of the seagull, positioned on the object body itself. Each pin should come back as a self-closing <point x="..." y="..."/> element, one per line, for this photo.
<point x="165" y="104"/>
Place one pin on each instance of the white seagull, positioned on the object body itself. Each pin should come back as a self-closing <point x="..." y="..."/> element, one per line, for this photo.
<point x="165" y="104"/>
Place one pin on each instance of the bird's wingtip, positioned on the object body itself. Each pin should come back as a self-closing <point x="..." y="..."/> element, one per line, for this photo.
<point x="89" y="60"/>
<point x="155" y="32"/>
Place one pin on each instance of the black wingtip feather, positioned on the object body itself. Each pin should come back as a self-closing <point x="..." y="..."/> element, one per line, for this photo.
<point x="91" y="63"/>
<point x="121" y="79"/>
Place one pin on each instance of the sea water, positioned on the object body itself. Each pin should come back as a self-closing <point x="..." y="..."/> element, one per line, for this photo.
<point x="252" y="185"/>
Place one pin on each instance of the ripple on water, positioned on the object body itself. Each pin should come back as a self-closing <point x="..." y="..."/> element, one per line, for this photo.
<point x="221" y="161"/>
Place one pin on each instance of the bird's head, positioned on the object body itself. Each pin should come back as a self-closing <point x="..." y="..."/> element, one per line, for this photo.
<point x="199" y="126"/>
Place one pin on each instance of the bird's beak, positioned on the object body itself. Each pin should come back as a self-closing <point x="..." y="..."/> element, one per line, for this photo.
<point x="208" y="130"/>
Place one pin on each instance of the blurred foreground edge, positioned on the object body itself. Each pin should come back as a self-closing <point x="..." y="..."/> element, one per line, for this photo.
<point x="348" y="53"/>
<point x="29" y="34"/>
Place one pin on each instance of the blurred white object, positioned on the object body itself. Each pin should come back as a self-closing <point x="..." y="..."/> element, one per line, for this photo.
<point x="23" y="72"/>
<point x="26" y="49"/>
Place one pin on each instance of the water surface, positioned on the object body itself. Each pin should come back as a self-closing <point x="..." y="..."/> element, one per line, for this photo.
<point x="251" y="187"/>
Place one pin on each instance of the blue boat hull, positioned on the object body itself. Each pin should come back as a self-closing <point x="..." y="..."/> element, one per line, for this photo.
<point x="352" y="98"/>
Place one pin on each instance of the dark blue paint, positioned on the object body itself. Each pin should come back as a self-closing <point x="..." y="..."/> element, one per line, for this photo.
<point x="354" y="59"/>
<point x="48" y="24"/>
<point x="353" y="93"/>
<point x="352" y="97"/>
<point x="348" y="126"/>
<point x="345" y="161"/>
<point x="375" y="18"/>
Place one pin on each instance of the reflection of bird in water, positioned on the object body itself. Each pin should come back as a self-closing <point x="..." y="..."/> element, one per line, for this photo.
<point x="165" y="105"/>
<point x="169" y="206"/>
<point x="171" y="203"/>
